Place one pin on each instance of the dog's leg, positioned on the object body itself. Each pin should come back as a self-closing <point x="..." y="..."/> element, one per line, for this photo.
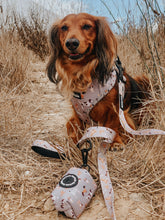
<point x="74" y="127"/>
<point x="117" y="143"/>
<point x="113" y="122"/>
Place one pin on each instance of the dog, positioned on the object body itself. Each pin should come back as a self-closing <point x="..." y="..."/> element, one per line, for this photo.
<point x="83" y="50"/>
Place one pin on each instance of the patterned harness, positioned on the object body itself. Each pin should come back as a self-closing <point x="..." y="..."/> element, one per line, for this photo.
<point x="84" y="102"/>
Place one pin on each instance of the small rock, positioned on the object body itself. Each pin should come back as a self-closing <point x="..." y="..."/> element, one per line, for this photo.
<point x="27" y="173"/>
<point x="48" y="205"/>
<point x="137" y="197"/>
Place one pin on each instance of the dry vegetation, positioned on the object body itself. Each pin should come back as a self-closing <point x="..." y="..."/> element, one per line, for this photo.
<point x="31" y="108"/>
<point x="29" y="32"/>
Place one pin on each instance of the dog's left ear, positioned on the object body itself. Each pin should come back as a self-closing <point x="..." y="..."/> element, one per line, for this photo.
<point x="106" y="48"/>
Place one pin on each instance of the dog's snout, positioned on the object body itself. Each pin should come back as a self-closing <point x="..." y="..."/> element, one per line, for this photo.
<point x="72" y="43"/>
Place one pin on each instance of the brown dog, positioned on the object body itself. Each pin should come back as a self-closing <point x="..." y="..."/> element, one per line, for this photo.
<point x="83" y="48"/>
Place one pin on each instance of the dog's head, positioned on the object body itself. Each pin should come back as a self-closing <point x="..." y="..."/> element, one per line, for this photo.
<point x="83" y="47"/>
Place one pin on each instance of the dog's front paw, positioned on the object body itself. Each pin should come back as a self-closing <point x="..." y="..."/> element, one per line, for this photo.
<point x="117" y="147"/>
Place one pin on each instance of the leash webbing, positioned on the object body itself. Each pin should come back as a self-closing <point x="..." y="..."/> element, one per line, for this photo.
<point x="108" y="135"/>
<point x="121" y="86"/>
<point x="105" y="180"/>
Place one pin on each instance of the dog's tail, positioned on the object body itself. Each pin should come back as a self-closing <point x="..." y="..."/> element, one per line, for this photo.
<point x="144" y="84"/>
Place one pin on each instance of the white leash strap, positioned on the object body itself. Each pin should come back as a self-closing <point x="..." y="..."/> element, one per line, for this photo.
<point x="107" y="135"/>
<point x="124" y="122"/>
<point x="105" y="180"/>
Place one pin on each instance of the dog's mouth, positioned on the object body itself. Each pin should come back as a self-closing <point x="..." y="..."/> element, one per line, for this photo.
<point x="75" y="56"/>
<point x="78" y="56"/>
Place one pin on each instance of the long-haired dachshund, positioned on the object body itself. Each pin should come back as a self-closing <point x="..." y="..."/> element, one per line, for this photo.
<point x="83" y="50"/>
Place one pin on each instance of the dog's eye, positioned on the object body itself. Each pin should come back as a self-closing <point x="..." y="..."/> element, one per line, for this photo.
<point x="64" y="28"/>
<point x="86" y="26"/>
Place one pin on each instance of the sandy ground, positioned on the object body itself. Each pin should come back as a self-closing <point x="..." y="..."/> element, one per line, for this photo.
<point x="128" y="206"/>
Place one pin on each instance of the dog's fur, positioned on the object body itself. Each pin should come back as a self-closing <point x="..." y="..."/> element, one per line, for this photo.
<point x="83" y="47"/>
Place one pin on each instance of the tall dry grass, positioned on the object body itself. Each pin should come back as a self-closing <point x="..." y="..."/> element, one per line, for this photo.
<point x="13" y="63"/>
<point x="32" y="33"/>
<point x="149" y="50"/>
<point x="31" y="109"/>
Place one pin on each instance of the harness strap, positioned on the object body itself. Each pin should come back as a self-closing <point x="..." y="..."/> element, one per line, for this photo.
<point x="107" y="135"/>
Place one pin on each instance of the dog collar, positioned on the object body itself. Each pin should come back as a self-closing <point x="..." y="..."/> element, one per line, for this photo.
<point x="84" y="102"/>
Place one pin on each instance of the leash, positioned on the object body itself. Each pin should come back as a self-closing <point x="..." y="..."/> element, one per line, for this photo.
<point x="121" y="86"/>
<point x="107" y="135"/>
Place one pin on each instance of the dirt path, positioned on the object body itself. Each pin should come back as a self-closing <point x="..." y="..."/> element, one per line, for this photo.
<point x="51" y="112"/>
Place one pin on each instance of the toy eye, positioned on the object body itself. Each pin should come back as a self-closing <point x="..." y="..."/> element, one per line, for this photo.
<point x="64" y="28"/>
<point x="86" y="26"/>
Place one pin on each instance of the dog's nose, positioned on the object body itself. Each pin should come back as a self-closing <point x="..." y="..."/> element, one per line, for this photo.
<point x="72" y="43"/>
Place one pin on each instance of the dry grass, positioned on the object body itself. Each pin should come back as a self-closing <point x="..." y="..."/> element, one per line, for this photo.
<point x="148" y="58"/>
<point x="37" y="111"/>
<point x="32" y="33"/>
<point x="14" y="61"/>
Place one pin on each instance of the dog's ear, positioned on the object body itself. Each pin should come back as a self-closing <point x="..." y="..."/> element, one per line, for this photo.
<point x="55" y="48"/>
<point x="106" y="49"/>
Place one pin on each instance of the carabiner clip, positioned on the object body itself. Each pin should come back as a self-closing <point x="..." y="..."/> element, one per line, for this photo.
<point x="84" y="153"/>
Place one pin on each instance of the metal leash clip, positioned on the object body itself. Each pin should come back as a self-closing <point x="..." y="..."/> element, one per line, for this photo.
<point x="84" y="153"/>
